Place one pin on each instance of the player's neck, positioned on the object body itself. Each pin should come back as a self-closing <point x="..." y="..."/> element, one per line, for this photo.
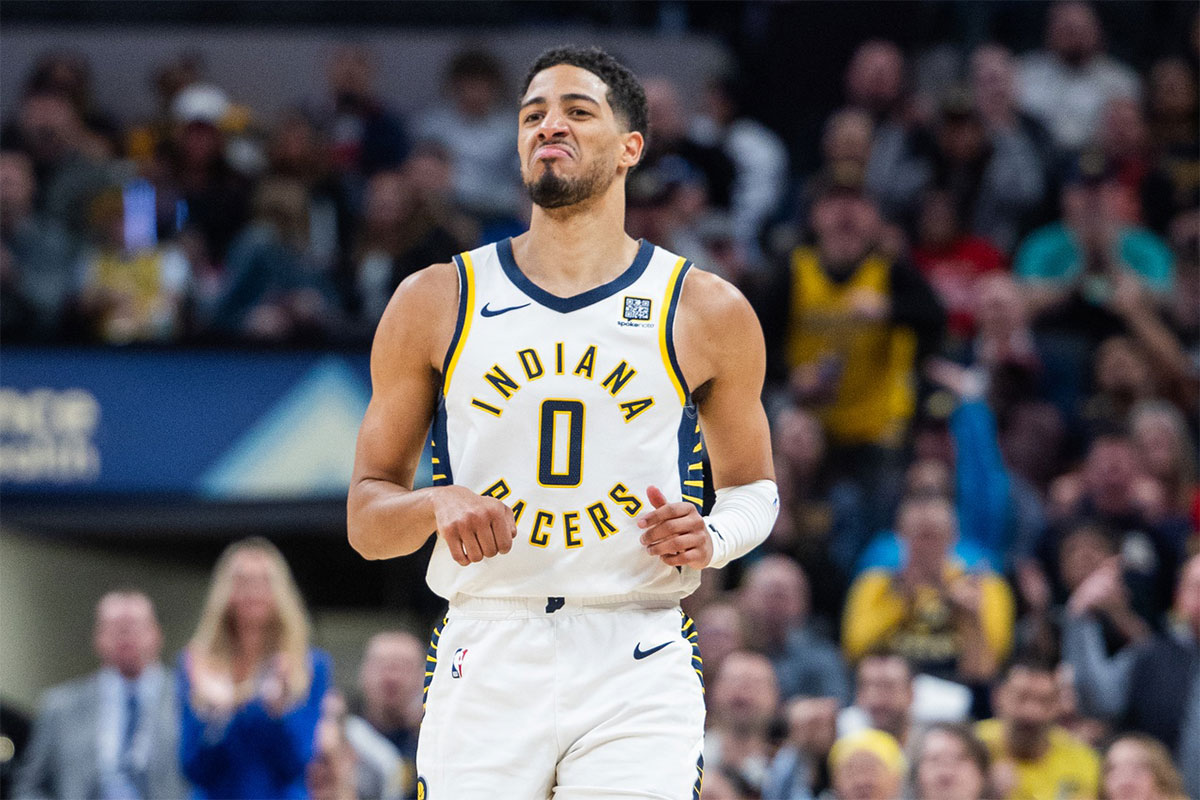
<point x="570" y="250"/>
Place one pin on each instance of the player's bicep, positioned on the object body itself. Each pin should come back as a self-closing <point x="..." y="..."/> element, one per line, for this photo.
<point x="404" y="383"/>
<point x="732" y="418"/>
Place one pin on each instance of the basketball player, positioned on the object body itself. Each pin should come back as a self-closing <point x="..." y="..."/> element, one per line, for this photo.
<point x="567" y="374"/>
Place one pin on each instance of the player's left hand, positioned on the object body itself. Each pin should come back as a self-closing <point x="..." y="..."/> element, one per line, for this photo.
<point x="675" y="532"/>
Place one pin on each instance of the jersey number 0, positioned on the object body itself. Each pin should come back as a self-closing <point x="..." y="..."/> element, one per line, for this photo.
<point x="556" y="415"/>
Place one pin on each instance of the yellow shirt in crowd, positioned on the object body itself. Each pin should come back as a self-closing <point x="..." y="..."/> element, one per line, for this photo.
<point x="1069" y="770"/>
<point x="921" y="628"/>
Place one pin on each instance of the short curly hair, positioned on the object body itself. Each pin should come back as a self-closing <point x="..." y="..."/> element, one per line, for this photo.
<point x="625" y="92"/>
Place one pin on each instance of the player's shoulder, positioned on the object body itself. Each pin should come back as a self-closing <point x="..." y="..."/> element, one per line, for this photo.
<point x="424" y="292"/>
<point x="709" y="295"/>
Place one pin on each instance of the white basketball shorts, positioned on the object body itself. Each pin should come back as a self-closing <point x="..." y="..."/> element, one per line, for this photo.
<point x="563" y="699"/>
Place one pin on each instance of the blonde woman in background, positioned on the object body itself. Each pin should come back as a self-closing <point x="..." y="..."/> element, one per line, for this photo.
<point x="1138" y="767"/>
<point x="251" y="684"/>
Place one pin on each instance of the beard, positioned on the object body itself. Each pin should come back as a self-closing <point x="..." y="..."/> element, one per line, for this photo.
<point x="551" y="190"/>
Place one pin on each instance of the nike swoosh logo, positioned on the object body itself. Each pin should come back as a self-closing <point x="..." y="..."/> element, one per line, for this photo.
<point x="639" y="653"/>
<point x="487" y="312"/>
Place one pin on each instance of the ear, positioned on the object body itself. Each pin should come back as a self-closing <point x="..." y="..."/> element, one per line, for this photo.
<point x="632" y="145"/>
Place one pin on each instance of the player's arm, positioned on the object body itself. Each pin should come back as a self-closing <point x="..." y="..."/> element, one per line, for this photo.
<point x="721" y="352"/>
<point x="385" y="517"/>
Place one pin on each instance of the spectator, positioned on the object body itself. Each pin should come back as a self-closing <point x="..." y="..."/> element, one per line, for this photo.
<point x="385" y="736"/>
<point x="1124" y="139"/>
<point x="36" y="257"/>
<point x="1088" y="571"/>
<point x="846" y="328"/>
<point x="994" y="511"/>
<point x="275" y="291"/>
<point x="1067" y="84"/>
<point x="846" y="138"/>
<point x="66" y="180"/>
<point x="1138" y="767"/>
<point x="250" y="682"/>
<point x="947" y="622"/>
<point x="994" y="178"/>
<point x="821" y="520"/>
<point x="800" y="769"/>
<point x="475" y="127"/>
<point x="198" y="190"/>
<point x="774" y="601"/>
<point x="1071" y="269"/>
<point x="742" y="706"/>
<point x="759" y="158"/>
<point x="1166" y="452"/>
<point x="876" y="82"/>
<point x="722" y="631"/>
<point x="670" y="138"/>
<point x="1130" y="686"/>
<point x="867" y="765"/>
<point x="954" y="261"/>
<point x="1106" y="492"/>
<point x="124" y="716"/>
<point x="949" y="763"/>
<point x="1032" y="758"/>
<point x="993" y="73"/>
<point x="70" y="75"/>
<point x="883" y="697"/>
<point x="405" y="228"/>
<point x="668" y="204"/>
<point x="297" y="151"/>
<point x="144" y="141"/>
<point x="130" y="290"/>
<point x="331" y="773"/>
<point x="1174" y="130"/>
<point x="366" y="137"/>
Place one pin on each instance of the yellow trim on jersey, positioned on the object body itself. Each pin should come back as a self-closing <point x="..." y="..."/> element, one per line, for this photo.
<point x="469" y="272"/>
<point x="663" y="315"/>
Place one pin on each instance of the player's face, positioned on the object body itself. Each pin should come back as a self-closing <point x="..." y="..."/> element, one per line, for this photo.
<point x="571" y="144"/>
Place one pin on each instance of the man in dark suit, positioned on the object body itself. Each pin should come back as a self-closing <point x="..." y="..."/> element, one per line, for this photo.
<point x="112" y="735"/>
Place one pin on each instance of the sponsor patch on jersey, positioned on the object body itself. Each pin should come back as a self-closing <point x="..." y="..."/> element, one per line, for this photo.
<point x="456" y="663"/>
<point x="637" y="313"/>
<point x="422" y="790"/>
<point x="637" y="309"/>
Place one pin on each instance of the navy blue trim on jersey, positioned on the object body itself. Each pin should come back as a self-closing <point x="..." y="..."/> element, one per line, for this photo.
<point x="691" y="460"/>
<point x="461" y="319"/>
<point x="566" y="304"/>
<point x="687" y="629"/>
<point x="670" y="332"/>
<point x="431" y="659"/>
<point x="443" y="475"/>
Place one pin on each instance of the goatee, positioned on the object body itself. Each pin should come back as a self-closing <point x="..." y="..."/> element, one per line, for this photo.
<point x="552" y="190"/>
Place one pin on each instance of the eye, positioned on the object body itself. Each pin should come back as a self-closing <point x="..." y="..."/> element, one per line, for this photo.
<point x="532" y="116"/>
<point x="580" y="112"/>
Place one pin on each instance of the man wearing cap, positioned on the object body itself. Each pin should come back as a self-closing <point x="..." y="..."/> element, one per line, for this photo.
<point x="846" y="325"/>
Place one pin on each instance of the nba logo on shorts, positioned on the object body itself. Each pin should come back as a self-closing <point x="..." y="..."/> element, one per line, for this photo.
<point x="456" y="663"/>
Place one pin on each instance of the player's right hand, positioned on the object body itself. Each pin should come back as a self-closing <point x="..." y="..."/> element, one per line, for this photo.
<point x="473" y="527"/>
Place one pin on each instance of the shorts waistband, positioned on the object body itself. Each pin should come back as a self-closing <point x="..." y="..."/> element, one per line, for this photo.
<point x="462" y="605"/>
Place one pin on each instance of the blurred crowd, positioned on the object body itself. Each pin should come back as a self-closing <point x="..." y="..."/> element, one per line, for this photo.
<point x="982" y="315"/>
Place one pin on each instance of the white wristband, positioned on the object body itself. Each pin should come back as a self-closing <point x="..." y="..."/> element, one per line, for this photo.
<point x="740" y="520"/>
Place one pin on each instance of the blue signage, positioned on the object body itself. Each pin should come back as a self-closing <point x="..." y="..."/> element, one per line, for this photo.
<point x="202" y="425"/>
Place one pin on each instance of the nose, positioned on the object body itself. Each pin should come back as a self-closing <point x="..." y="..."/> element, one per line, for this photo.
<point x="554" y="124"/>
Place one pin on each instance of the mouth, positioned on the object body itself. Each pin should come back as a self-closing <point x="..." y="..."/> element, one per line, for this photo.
<point x="548" y="151"/>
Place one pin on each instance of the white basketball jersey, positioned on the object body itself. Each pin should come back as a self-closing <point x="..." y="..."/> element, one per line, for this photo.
<point x="566" y="409"/>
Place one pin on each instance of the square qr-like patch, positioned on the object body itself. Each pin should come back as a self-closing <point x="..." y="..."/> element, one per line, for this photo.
<point x="637" y="308"/>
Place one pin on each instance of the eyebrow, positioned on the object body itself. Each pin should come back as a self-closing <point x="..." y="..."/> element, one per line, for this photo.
<point x="569" y="96"/>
